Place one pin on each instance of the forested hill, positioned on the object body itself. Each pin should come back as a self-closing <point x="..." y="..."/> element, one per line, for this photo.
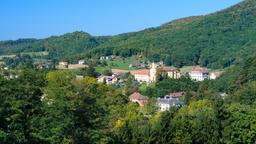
<point x="216" y="40"/>
<point x="59" y="47"/>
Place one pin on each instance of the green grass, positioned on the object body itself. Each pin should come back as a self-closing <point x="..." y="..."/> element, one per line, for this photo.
<point x="35" y="54"/>
<point x="100" y="69"/>
<point x="120" y="63"/>
<point x="41" y="60"/>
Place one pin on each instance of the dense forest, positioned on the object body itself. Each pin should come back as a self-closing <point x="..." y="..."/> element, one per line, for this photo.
<point x="216" y="40"/>
<point x="64" y="47"/>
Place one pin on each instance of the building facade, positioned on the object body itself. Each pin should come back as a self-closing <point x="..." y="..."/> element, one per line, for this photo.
<point x="142" y="75"/>
<point x="199" y="73"/>
<point x="156" y="69"/>
<point x="139" y="99"/>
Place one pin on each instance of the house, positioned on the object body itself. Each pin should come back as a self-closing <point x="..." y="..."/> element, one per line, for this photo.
<point x="107" y="79"/>
<point x="7" y="56"/>
<point x="81" y="62"/>
<point x="138" y="98"/>
<point x="107" y="57"/>
<point x="150" y="75"/>
<point x="62" y="65"/>
<point x="77" y="66"/>
<point x="175" y="95"/>
<point x="164" y="104"/>
<point x="42" y="65"/>
<point x="166" y="71"/>
<point x="169" y="71"/>
<point x="141" y="75"/>
<point x="199" y="73"/>
<point x="66" y="65"/>
<point x="223" y="95"/>
<point x="79" y="77"/>
<point x="215" y="75"/>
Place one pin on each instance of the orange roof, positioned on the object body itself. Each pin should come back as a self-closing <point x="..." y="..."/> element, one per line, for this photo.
<point x="138" y="96"/>
<point x="217" y="74"/>
<point x="176" y="94"/>
<point x="198" y="69"/>
<point x="141" y="72"/>
<point x="167" y="68"/>
<point x="118" y="71"/>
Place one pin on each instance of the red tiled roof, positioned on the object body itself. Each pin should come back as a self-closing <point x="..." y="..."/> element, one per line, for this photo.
<point x="199" y="70"/>
<point x="107" y="77"/>
<point x="167" y="68"/>
<point x="141" y="72"/>
<point x="138" y="96"/>
<point x="176" y="94"/>
<point x="110" y="77"/>
<point x="217" y="74"/>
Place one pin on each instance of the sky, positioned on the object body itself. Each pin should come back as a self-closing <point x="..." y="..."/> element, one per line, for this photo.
<point x="44" y="18"/>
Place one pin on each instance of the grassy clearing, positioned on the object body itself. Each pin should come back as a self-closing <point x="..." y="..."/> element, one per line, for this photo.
<point x="35" y="54"/>
<point x="120" y="63"/>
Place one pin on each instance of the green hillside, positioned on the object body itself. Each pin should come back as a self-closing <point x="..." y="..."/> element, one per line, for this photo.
<point x="59" y="47"/>
<point x="216" y="40"/>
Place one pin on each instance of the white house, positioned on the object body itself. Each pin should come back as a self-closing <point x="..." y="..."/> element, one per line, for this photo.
<point x="81" y="62"/>
<point x="215" y="75"/>
<point x="199" y="73"/>
<point x="108" y="79"/>
<point x="62" y="64"/>
<point x="142" y="75"/>
<point x="164" y="104"/>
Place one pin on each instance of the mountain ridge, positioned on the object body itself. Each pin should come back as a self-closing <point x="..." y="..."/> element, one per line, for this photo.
<point x="216" y="40"/>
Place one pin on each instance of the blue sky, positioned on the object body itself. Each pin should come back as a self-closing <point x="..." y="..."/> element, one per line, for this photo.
<point x="43" y="18"/>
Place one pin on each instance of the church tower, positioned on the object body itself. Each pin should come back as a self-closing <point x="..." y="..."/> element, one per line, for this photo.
<point x="153" y="71"/>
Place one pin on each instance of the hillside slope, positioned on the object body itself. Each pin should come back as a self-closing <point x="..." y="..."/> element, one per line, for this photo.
<point x="59" y="47"/>
<point x="216" y="40"/>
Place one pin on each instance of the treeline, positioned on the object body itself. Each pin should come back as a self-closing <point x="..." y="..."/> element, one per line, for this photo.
<point x="54" y="107"/>
<point x="216" y="40"/>
<point x="65" y="47"/>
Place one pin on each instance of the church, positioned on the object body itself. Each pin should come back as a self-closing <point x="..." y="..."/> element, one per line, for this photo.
<point x="156" y="70"/>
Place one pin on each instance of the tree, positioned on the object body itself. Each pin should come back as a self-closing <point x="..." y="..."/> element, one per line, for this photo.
<point x="196" y="123"/>
<point x="240" y="124"/>
<point x="245" y="95"/>
<point x="20" y="106"/>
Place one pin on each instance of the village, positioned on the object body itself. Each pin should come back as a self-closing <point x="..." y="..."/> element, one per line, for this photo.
<point x="148" y="74"/>
<point x="142" y="73"/>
